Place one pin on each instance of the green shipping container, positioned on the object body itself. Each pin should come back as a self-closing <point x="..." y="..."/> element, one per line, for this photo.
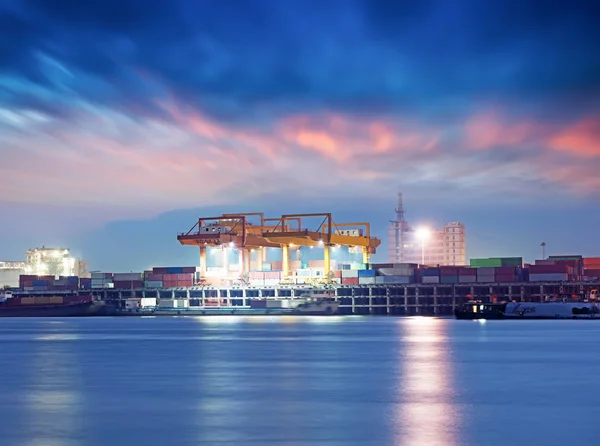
<point x="493" y="262"/>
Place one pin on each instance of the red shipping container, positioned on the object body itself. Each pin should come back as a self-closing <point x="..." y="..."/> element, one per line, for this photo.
<point x="505" y="270"/>
<point x="505" y="278"/>
<point x="467" y="272"/>
<point x="548" y="269"/>
<point x="349" y="280"/>
<point x="592" y="272"/>
<point x="124" y="284"/>
<point x="188" y="269"/>
<point x="161" y="270"/>
<point x="337" y="274"/>
<point x="591" y="262"/>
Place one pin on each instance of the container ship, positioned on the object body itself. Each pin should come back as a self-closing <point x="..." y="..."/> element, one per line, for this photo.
<point x="48" y="306"/>
<point x="561" y="307"/>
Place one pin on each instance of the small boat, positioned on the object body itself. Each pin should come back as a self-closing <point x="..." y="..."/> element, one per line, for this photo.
<point x="565" y="307"/>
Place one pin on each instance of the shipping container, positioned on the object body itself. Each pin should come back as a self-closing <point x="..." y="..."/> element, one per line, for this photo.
<point x="548" y="269"/>
<point x="267" y="267"/>
<point x="430" y="279"/>
<point x="174" y="270"/>
<point x="367" y="280"/>
<point x="467" y="271"/>
<point x="153" y="284"/>
<point x="486" y="278"/>
<point x="466" y="279"/>
<point x="121" y="277"/>
<point x="549" y="277"/>
<point x="397" y="279"/>
<point x="366" y="273"/>
<point x="189" y="269"/>
<point x="349" y="280"/>
<point x="128" y="284"/>
<point x="448" y="279"/>
<point x="505" y="278"/>
<point x="258" y="303"/>
<point x="592" y="272"/>
<point x="396" y="271"/>
<point x="349" y="274"/>
<point x="434" y="272"/>
<point x="160" y="270"/>
<point x="591" y="262"/>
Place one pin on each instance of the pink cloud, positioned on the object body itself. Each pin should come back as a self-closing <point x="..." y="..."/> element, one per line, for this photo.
<point x="153" y="165"/>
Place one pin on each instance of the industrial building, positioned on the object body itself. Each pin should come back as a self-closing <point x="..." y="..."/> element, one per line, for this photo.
<point x="425" y="246"/>
<point x="40" y="262"/>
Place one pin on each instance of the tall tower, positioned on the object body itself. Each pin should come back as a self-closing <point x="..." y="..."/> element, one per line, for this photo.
<point x="396" y="234"/>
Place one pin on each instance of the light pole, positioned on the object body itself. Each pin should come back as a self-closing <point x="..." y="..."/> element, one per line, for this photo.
<point x="423" y="234"/>
<point x="543" y="245"/>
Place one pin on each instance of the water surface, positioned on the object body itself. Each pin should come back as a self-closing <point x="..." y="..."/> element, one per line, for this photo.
<point x="349" y="380"/>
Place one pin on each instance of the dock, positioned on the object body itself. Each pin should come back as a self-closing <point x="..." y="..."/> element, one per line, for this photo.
<point x="407" y="300"/>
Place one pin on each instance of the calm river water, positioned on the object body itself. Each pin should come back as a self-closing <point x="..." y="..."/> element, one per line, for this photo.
<point x="347" y="380"/>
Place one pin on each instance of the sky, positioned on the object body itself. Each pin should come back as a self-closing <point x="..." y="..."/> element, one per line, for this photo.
<point x="123" y="122"/>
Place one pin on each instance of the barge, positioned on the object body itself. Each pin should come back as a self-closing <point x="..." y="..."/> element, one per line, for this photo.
<point x="566" y="307"/>
<point x="48" y="306"/>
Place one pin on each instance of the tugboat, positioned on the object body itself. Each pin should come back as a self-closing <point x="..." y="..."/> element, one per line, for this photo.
<point x="47" y="306"/>
<point x="566" y="307"/>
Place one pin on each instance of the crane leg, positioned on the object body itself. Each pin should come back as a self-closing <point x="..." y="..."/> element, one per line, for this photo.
<point x="285" y="260"/>
<point x="327" y="259"/>
<point x="203" y="262"/>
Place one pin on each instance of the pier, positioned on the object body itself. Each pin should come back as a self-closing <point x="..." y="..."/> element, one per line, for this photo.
<point x="408" y="300"/>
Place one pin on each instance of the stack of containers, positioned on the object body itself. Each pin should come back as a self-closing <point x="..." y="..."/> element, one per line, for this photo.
<point x="467" y="275"/>
<point x="128" y="280"/>
<point x="173" y="280"/>
<point x="349" y="277"/>
<point x="366" y="277"/>
<point x="102" y="280"/>
<point x="448" y="274"/>
<point x="486" y="274"/>
<point x="42" y="284"/>
<point x="272" y="278"/>
<point x="591" y="267"/>
<point x="153" y="280"/>
<point x="85" y="283"/>
<point x="507" y="274"/>
<point x="574" y="261"/>
<point x="430" y="275"/>
<point x="544" y="271"/>
<point x="26" y="282"/>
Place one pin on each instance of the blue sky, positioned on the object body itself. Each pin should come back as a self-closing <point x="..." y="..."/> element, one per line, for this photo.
<point x="121" y="122"/>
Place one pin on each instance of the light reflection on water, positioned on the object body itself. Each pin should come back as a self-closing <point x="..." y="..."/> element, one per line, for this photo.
<point x="427" y="415"/>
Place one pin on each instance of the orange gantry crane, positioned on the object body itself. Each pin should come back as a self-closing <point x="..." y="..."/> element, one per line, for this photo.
<point x="236" y="230"/>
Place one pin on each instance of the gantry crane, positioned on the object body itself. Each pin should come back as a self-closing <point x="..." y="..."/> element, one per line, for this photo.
<point x="235" y="230"/>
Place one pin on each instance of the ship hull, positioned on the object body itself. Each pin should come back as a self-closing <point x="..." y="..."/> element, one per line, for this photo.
<point x="221" y="311"/>
<point x="73" y="310"/>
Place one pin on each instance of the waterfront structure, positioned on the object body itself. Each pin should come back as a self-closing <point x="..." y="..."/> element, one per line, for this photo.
<point x="425" y="246"/>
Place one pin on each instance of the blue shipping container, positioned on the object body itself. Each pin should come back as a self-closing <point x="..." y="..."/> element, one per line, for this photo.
<point x="175" y="270"/>
<point x="73" y="279"/>
<point x="366" y="273"/>
<point x="398" y="279"/>
<point x="430" y="272"/>
<point x="40" y="283"/>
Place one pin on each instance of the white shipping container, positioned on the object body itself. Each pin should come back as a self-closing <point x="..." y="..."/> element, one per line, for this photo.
<point x="549" y="277"/>
<point x="166" y="303"/>
<point x="396" y="271"/>
<point x="487" y="270"/>
<point x="486" y="278"/>
<point x="271" y="282"/>
<point x="379" y="279"/>
<point x="148" y="302"/>
<point x="181" y="303"/>
<point x="430" y="279"/>
<point x="349" y="273"/>
<point x="366" y="280"/>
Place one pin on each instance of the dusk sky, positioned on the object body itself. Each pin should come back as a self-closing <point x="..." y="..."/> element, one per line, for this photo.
<point x="122" y="122"/>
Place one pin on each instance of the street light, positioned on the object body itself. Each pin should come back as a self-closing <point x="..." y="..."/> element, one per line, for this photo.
<point x="423" y="234"/>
